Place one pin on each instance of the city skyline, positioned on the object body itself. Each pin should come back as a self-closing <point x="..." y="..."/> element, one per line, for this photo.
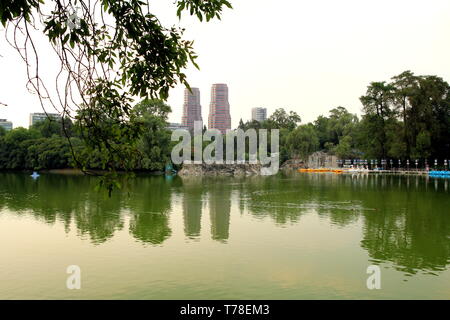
<point x="319" y="61"/>
<point x="191" y="113"/>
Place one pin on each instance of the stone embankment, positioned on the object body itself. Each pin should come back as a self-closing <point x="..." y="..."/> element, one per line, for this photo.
<point x="220" y="170"/>
<point x="293" y="165"/>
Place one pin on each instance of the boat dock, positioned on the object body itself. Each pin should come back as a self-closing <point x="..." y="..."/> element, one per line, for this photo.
<point x="365" y="171"/>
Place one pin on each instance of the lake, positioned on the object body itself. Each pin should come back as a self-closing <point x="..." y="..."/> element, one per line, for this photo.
<point x="299" y="236"/>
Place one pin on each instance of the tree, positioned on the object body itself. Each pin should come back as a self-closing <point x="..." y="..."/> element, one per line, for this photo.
<point x="322" y="127"/>
<point x="48" y="153"/>
<point x="407" y="118"/>
<point x="345" y="148"/>
<point x="303" y="141"/>
<point x="50" y="127"/>
<point x="430" y="113"/>
<point x="14" y="147"/>
<point x="423" y="144"/>
<point x="281" y="119"/>
<point x="405" y="85"/>
<point x="155" y="142"/>
<point x="331" y="130"/>
<point x="341" y="123"/>
<point x="252" y="124"/>
<point x="18" y="135"/>
<point x="377" y="107"/>
<point x="109" y="52"/>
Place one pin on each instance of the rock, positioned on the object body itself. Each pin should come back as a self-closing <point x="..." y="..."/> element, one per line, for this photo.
<point x="322" y="160"/>
<point x="316" y="160"/>
<point x="292" y="165"/>
<point x="220" y="169"/>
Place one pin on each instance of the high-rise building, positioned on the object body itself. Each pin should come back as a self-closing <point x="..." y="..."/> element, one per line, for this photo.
<point x="259" y="114"/>
<point x="5" y="124"/>
<point x="219" y="109"/>
<point x="192" y="110"/>
<point x="37" y="117"/>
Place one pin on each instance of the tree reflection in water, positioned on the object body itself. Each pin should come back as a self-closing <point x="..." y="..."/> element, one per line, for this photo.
<point x="404" y="220"/>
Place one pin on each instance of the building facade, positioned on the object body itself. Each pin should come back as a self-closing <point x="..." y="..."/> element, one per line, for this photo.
<point x="5" y="124"/>
<point x="259" y="114"/>
<point x="192" y="109"/>
<point x="219" y="108"/>
<point x="38" y="117"/>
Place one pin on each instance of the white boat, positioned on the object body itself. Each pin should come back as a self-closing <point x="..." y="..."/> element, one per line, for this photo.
<point x="357" y="170"/>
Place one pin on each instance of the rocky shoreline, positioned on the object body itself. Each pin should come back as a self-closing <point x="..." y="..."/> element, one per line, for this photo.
<point x="220" y="170"/>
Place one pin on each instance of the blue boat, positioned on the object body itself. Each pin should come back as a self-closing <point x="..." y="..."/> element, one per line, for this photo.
<point x="439" y="174"/>
<point x="35" y="175"/>
<point x="169" y="169"/>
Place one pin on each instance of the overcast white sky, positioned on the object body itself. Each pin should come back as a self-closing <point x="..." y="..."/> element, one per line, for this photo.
<point x="306" y="56"/>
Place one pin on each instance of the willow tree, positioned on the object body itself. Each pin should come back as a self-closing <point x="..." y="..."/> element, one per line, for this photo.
<point x="109" y="53"/>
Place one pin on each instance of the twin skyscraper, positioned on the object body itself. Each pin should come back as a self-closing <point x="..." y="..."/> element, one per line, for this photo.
<point x="219" y="108"/>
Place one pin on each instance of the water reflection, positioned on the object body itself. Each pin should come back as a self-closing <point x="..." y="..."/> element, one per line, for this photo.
<point x="150" y="208"/>
<point x="219" y="210"/>
<point x="63" y="199"/>
<point x="192" y="193"/>
<point x="404" y="220"/>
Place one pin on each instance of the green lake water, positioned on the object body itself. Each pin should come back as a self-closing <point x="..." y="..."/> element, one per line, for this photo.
<point x="302" y="236"/>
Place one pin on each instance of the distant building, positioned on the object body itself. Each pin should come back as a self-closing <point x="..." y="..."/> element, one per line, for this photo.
<point x="5" y="124"/>
<point x="192" y="109"/>
<point x="174" y="126"/>
<point x="219" y="108"/>
<point x="259" y="114"/>
<point x="38" y="117"/>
